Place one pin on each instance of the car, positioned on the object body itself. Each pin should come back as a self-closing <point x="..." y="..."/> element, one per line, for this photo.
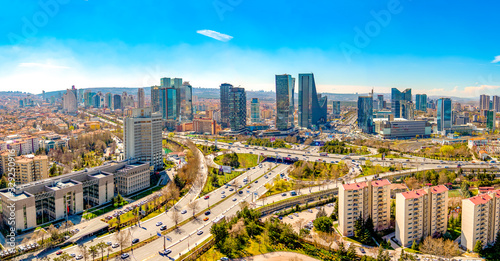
<point x="159" y="223"/>
<point x="115" y="245"/>
<point x="362" y="250"/>
<point x="184" y="211"/>
<point x="249" y="187"/>
<point x="224" y="259"/>
<point x="231" y="189"/>
<point x="205" y="219"/>
<point x="223" y="196"/>
<point x="234" y="199"/>
<point x="199" y="232"/>
<point x="109" y="243"/>
<point x="135" y="241"/>
<point x="296" y="214"/>
<point x="290" y="216"/>
<point x="256" y="181"/>
<point x="265" y="176"/>
<point x="206" y="197"/>
<point x="72" y="255"/>
<point x="162" y="228"/>
<point x="59" y="252"/>
<point x="284" y="194"/>
<point x="223" y="192"/>
<point x="240" y="186"/>
<point x="240" y="192"/>
<point x="165" y="252"/>
<point x="207" y="213"/>
<point x="124" y="255"/>
<point x="78" y="257"/>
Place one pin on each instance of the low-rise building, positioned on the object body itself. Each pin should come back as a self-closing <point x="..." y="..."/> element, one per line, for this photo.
<point x="402" y="128"/>
<point x="132" y="178"/>
<point x="421" y="213"/>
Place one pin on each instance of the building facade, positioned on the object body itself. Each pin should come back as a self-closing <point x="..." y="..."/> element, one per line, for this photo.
<point x="132" y="178"/>
<point x="480" y="219"/>
<point x="225" y="90"/>
<point x="421" y="213"/>
<point x="70" y="100"/>
<point x="365" y="114"/>
<point x="285" y="88"/>
<point x="364" y="200"/>
<point x="402" y="129"/>
<point x="155" y="98"/>
<point x="421" y="102"/>
<point x="312" y="107"/>
<point x="255" y="110"/>
<point x="140" y="98"/>
<point x="484" y="102"/>
<point x="396" y="98"/>
<point x="237" y="109"/>
<point x="444" y="116"/>
<point x="143" y="137"/>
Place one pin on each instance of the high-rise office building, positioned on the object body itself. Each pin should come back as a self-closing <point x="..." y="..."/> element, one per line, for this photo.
<point x="70" y="100"/>
<point x="336" y="109"/>
<point x="444" y="116"/>
<point x="155" y="98"/>
<point x="484" y="102"/>
<point x="143" y="136"/>
<point x="166" y="82"/>
<point x="380" y="99"/>
<point x="496" y="103"/>
<point x="117" y="102"/>
<point x="312" y="107"/>
<point x="490" y="120"/>
<point x="480" y="219"/>
<point x="97" y="99"/>
<point x="185" y="102"/>
<point x="421" y="213"/>
<point x="396" y="98"/>
<point x="168" y="103"/>
<point x="285" y="86"/>
<point x="225" y="89"/>
<point x="365" y="113"/>
<point x="255" y="110"/>
<point x="237" y="109"/>
<point x="364" y="200"/>
<point x="421" y="102"/>
<point x="407" y="110"/>
<point x="140" y="98"/>
<point x="88" y="98"/>
<point x="108" y="102"/>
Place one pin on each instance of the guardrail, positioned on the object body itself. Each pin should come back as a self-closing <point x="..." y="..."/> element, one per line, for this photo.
<point x="297" y="200"/>
<point x="195" y="254"/>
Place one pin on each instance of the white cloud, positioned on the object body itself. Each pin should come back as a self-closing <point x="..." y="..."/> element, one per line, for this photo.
<point x="42" y="65"/>
<point x="496" y="60"/>
<point x="216" y="35"/>
<point x="472" y="91"/>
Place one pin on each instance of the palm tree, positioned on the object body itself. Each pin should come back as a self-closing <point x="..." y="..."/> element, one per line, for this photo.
<point x="93" y="251"/>
<point x="102" y="246"/>
<point x="84" y="251"/>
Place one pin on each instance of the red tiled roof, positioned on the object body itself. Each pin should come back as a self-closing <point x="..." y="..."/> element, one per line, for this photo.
<point x="496" y="192"/>
<point x="414" y="193"/>
<point x="354" y="186"/>
<point x="480" y="199"/>
<point x="439" y="189"/>
<point x="380" y="183"/>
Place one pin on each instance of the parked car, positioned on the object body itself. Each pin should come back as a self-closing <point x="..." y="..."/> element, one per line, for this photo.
<point x="135" y="241"/>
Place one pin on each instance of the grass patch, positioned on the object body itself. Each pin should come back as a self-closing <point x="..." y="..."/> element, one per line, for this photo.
<point x="454" y="233"/>
<point x="245" y="160"/>
<point x="212" y="185"/>
<point x="454" y="193"/>
<point x="279" y="186"/>
<point x="409" y="250"/>
<point x="146" y="192"/>
<point x="389" y="156"/>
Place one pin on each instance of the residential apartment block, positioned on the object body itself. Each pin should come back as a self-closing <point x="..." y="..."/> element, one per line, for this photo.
<point x="364" y="199"/>
<point x="480" y="219"/>
<point x="421" y="213"/>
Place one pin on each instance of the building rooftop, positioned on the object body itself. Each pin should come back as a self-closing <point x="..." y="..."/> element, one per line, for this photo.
<point x="480" y="199"/>
<point x="14" y="196"/>
<point x="414" y="193"/>
<point x="354" y="186"/>
<point x="438" y="189"/>
<point x="380" y="183"/>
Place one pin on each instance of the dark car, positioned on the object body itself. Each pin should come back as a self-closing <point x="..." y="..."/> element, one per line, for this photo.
<point x="163" y="227"/>
<point x="207" y="213"/>
<point x="135" y="241"/>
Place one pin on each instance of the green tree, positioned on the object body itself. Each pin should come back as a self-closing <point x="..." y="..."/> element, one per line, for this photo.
<point x="93" y="251"/>
<point x="414" y="246"/>
<point x="478" y="248"/>
<point x="323" y="224"/>
<point x="220" y="233"/>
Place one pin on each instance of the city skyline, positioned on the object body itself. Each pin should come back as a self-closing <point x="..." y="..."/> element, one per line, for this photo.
<point x="112" y="50"/>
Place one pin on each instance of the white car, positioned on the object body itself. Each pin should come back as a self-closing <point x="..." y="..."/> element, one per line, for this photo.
<point x="159" y="223"/>
<point x="115" y="245"/>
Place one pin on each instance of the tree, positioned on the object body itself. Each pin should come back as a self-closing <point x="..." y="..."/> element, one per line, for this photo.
<point x="335" y="213"/>
<point x="93" y="251"/>
<point x="101" y="246"/>
<point x="219" y="231"/>
<point x="176" y="217"/>
<point x="414" y="245"/>
<point x="321" y="213"/>
<point x="478" y="248"/>
<point x="323" y="224"/>
<point x="83" y="251"/>
<point x="383" y="255"/>
<point x="122" y="238"/>
<point x="193" y="206"/>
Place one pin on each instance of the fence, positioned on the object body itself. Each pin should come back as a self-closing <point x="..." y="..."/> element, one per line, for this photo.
<point x="195" y="254"/>
<point x="297" y="200"/>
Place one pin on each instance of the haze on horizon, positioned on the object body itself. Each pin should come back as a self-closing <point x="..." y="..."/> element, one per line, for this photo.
<point x="436" y="48"/>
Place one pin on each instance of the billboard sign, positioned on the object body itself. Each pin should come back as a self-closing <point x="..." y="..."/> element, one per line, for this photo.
<point x="226" y="169"/>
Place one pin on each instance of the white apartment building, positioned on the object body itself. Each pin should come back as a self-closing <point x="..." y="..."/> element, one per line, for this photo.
<point x="421" y="213"/>
<point x="480" y="219"/>
<point x="143" y="136"/>
<point x="364" y="199"/>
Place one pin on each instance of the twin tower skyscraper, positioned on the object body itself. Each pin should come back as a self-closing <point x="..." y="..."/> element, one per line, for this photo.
<point x="312" y="107"/>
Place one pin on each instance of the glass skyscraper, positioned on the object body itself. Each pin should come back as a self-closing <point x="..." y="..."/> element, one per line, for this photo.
<point x="168" y="103"/>
<point x="255" y="110"/>
<point x="155" y="98"/>
<point x="365" y="113"/>
<point x="285" y="87"/>
<point x="225" y="89"/>
<point x="421" y="102"/>
<point x="237" y="109"/>
<point x="185" y="102"/>
<point x="444" y="114"/>
<point x="490" y="120"/>
<point x="312" y="107"/>
<point x="396" y="98"/>
<point x="380" y="99"/>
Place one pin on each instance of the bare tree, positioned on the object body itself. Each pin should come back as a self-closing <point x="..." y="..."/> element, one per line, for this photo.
<point x="122" y="238"/>
<point x="300" y="223"/>
<point x="83" y="251"/>
<point x="176" y="217"/>
<point x="101" y="246"/>
<point x="193" y="206"/>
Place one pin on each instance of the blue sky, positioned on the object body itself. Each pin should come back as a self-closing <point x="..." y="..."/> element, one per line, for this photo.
<point x="436" y="47"/>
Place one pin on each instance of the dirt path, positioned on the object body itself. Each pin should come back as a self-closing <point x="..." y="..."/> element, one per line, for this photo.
<point x="279" y="256"/>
